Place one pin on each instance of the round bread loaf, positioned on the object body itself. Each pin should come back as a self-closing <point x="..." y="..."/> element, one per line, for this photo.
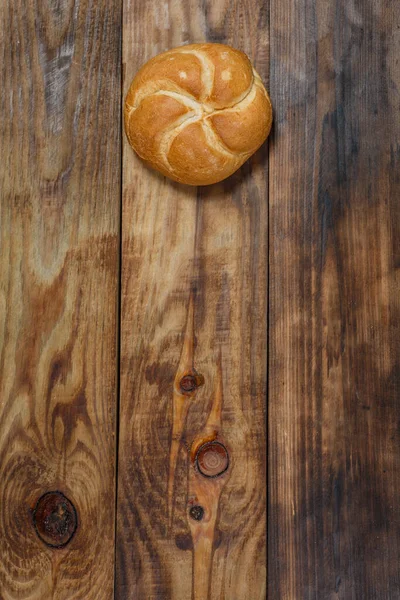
<point x="197" y="113"/>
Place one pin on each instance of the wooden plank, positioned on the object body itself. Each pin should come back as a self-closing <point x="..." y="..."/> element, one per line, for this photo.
<point x="334" y="376"/>
<point x="194" y="278"/>
<point x="59" y="214"/>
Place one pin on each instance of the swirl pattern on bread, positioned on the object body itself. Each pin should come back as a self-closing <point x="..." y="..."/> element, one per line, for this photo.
<point x="197" y="113"/>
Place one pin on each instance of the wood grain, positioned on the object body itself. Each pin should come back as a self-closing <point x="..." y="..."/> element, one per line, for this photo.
<point x="59" y="215"/>
<point x="209" y="468"/>
<point x="334" y="373"/>
<point x="210" y="243"/>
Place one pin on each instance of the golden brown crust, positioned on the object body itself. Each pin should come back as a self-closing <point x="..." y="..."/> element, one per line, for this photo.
<point x="147" y="124"/>
<point x="196" y="113"/>
<point x="191" y="147"/>
<point x="244" y="127"/>
<point x="169" y="68"/>
<point x="233" y="75"/>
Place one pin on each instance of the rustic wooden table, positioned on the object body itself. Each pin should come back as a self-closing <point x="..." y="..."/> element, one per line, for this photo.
<point x="115" y="281"/>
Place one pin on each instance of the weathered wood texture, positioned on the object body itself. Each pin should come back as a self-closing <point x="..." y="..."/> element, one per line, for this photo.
<point x="194" y="279"/>
<point x="211" y="242"/>
<point x="59" y="213"/>
<point x="334" y="321"/>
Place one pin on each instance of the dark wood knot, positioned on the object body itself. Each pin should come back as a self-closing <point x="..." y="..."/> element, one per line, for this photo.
<point x="196" y="512"/>
<point x="55" y="519"/>
<point x="212" y="459"/>
<point x="189" y="383"/>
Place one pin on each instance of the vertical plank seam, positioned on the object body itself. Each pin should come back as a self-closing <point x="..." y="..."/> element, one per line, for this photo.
<point x="118" y="299"/>
<point x="268" y="306"/>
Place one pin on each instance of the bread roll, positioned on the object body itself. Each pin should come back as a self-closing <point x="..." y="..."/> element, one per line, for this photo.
<point x="197" y="113"/>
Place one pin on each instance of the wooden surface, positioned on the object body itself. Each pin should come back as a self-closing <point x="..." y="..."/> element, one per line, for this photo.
<point x="59" y="215"/>
<point x="194" y="301"/>
<point x="211" y="243"/>
<point x="334" y="313"/>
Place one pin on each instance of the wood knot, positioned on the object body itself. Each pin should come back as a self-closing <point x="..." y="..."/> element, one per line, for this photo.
<point x="196" y="512"/>
<point x="190" y="382"/>
<point x="184" y="541"/>
<point x="55" y="519"/>
<point x="212" y="459"/>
